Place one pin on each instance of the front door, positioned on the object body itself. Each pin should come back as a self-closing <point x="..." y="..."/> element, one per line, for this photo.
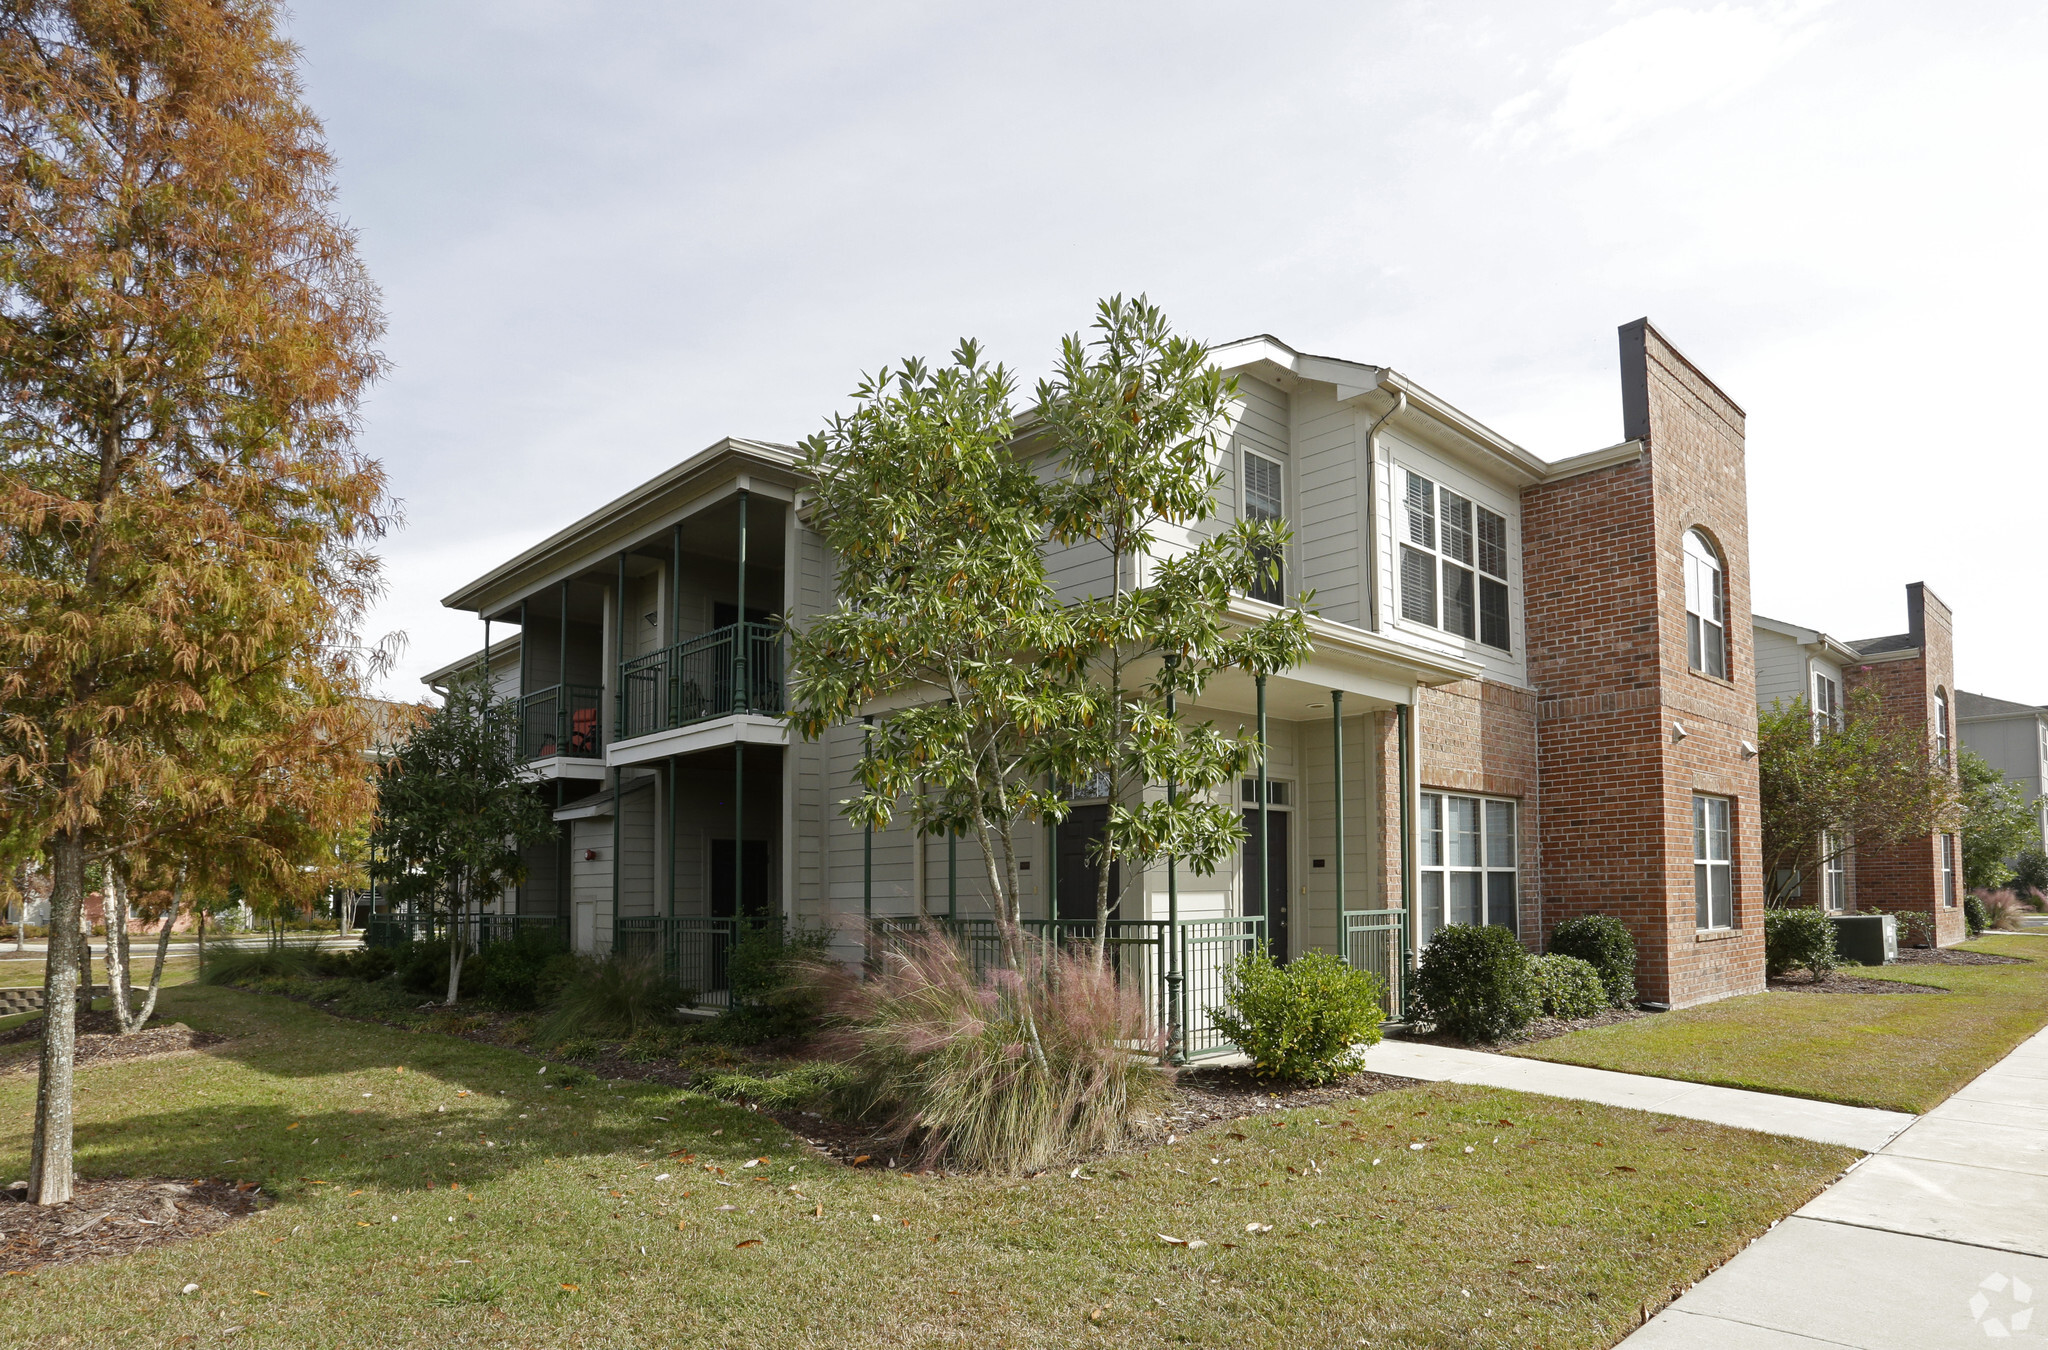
<point x="1077" y="873"/>
<point x="753" y="878"/>
<point x="1273" y="905"/>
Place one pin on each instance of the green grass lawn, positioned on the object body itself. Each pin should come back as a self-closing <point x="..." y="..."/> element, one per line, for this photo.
<point x="1906" y="1052"/>
<point x="407" y="1214"/>
<point x="26" y="970"/>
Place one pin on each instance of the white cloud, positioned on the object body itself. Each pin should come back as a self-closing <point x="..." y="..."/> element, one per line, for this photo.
<point x="1648" y="68"/>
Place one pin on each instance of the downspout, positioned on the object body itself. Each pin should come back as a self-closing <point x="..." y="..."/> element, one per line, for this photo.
<point x="1372" y="508"/>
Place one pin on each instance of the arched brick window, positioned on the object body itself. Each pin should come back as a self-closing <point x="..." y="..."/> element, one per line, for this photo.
<point x="1706" y="607"/>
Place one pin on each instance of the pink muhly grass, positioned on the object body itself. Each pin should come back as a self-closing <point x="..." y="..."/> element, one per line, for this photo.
<point x="996" y="1070"/>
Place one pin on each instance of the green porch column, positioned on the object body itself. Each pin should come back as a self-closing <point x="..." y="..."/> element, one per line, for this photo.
<point x="563" y="721"/>
<point x="952" y="875"/>
<point x="742" y="697"/>
<point x="867" y="864"/>
<point x="1265" y="832"/>
<point x="1337" y="751"/>
<point x="1175" y="1025"/>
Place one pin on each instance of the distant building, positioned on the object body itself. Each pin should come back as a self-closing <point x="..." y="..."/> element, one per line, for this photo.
<point x="2013" y="739"/>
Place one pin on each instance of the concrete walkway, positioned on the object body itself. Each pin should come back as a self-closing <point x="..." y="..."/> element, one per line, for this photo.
<point x="1939" y="1239"/>
<point x="1856" y="1127"/>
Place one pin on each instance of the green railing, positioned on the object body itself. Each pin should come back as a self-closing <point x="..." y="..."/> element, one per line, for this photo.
<point x="1377" y="940"/>
<point x="737" y="668"/>
<point x="561" y="720"/>
<point x="1139" y="950"/>
<point x="395" y="930"/>
<point x="694" y="952"/>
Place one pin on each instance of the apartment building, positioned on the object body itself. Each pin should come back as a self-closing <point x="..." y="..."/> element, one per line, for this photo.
<point x="1914" y="675"/>
<point x="1531" y="695"/>
<point x="2013" y="739"/>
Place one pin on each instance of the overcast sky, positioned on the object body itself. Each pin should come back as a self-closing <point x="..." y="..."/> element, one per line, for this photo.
<point x="610" y="233"/>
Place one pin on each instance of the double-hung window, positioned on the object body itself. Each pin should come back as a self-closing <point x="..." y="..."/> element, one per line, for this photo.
<point x="1468" y="862"/>
<point x="1827" y="705"/>
<point x="1713" y="872"/>
<point x="1940" y="727"/>
<point x="1834" y="871"/>
<point x="1262" y="502"/>
<point x="1454" y="564"/>
<point x="1948" y="871"/>
<point x="1706" y="623"/>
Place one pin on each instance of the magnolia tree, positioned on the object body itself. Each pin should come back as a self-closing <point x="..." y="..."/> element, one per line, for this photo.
<point x="456" y="812"/>
<point x="185" y="336"/>
<point x="982" y="695"/>
<point x="1825" y="790"/>
<point x="1133" y="421"/>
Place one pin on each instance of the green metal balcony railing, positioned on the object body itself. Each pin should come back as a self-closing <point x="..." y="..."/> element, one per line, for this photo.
<point x="561" y="720"/>
<point x="479" y="930"/>
<point x="734" y="669"/>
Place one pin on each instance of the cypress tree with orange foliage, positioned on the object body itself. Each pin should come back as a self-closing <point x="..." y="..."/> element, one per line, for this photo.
<point x="186" y="333"/>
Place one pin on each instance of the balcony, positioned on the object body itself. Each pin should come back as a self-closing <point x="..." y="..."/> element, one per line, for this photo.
<point x="561" y="720"/>
<point x="734" y="669"/>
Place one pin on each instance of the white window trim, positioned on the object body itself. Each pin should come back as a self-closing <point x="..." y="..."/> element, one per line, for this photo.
<point x="1401" y="537"/>
<point x="1719" y="600"/>
<point x="1704" y="867"/>
<point x="1443" y="870"/>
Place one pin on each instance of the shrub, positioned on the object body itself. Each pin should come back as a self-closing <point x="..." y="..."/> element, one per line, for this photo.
<point x="365" y="963"/>
<point x="1006" y="1071"/>
<point x="385" y="1000"/>
<point x="2030" y="872"/>
<point x="1916" y="928"/>
<point x="1604" y="943"/>
<point x="1476" y="982"/>
<point x="1567" y="986"/>
<point x="235" y="964"/>
<point x="1307" y="1021"/>
<point x="617" y="995"/>
<point x="422" y="966"/>
<point x="1973" y="914"/>
<point x="775" y="993"/>
<point x="524" y="971"/>
<point x="814" y="1084"/>
<point x="1799" y="937"/>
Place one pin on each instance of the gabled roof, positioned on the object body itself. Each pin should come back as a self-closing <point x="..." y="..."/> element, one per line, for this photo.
<point x="502" y="648"/>
<point x="1807" y="637"/>
<point x="1975" y="707"/>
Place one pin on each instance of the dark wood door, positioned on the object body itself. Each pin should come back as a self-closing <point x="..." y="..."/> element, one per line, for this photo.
<point x="1076" y="873"/>
<point x="753" y="879"/>
<point x="1273" y="904"/>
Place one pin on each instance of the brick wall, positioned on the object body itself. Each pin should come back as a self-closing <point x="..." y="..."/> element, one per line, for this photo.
<point x="1478" y="737"/>
<point x="1605" y="611"/>
<point x="1908" y="875"/>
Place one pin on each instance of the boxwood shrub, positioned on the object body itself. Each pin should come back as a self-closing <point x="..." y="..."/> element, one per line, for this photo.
<point x="1476" y="983"/>
<point x="1604" y="943"/>
<point x="1307" y="1021"/>
<point x="1567" y="986"/>
<point x="1799" y="937"/>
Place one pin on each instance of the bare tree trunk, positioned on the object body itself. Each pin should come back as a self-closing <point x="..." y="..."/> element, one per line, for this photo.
<point x="455" y="945"/>
<point x="163" y="948"/>
<point x="202" y="935"/>
<point x="116" y="910"/>
<point x="50" y="1159"/>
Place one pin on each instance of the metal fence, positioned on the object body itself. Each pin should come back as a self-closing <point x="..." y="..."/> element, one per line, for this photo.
<point x="480" y="930"/>
<point x="698" y="679"/>
<point x="1143" y="952"/>
<point x="694" y="952"/>
<point x="561" y="720"/>
<point x="1376" y="940"/>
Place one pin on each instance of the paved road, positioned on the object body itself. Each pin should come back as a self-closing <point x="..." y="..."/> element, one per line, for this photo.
<point x="1938" y="1239"/>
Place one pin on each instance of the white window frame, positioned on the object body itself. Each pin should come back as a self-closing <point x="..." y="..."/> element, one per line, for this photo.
<point x="1834" y="876"/>
<point x="1827" y="704"/>
<point x="1940" y="727"/>
<point x="1706" y="607"/>
<point x="1948" y="871"/>
<point x="1260" y="510"/>
<point x="1446" y="535"/>
<point x="1713" y="862"/>
<point x="1489" y="875"/>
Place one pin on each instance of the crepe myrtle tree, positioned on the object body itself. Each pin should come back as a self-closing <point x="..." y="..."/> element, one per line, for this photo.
<point x="1133" y="420"/>
<point x="1823" y="790"/>
<point x="456" y="812"/>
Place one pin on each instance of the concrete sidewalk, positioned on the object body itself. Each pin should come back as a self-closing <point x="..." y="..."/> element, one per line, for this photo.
<point x="1857" y="1127"/>
<point x="1940" y="1239"/>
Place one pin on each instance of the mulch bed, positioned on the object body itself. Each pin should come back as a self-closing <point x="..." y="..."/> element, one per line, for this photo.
<point x="1950" y="956"/>
<point x="1542" y="1029"/>
<point x="99" y="1042"/>
<point x="115" y="1216"/>
<point x="1839" y="983"/>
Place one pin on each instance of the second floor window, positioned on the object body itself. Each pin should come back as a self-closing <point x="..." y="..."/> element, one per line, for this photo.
<point x="1706" y="621"/>
<point x="1454" y="564"/>
<point x="1262" y="502"/>
<point x="1827" y="706"/>
<point x="1940" y="727"/>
